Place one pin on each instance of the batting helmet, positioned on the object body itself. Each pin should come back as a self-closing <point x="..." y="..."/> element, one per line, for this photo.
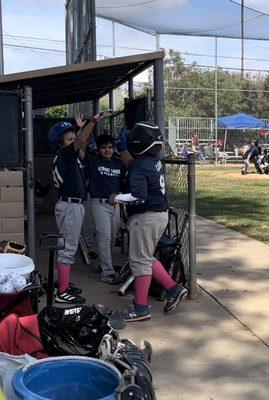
<point x="145" y="137"/>
<point x="56" y="132"/>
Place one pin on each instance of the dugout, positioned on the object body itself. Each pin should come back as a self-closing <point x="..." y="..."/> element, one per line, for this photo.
<point x="72" y="84"/>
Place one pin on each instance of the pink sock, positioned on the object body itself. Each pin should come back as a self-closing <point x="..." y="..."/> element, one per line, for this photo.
<point x="142" y="284"/>
<point x="63" y="276"/>
<point x="162" y="276"/>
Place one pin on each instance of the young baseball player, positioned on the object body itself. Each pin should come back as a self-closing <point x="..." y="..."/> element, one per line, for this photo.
<point x="105" y="174"/>
<point x="148" y="217"/>
<point x="68" y="176"/>
<point x="251" y="156"/>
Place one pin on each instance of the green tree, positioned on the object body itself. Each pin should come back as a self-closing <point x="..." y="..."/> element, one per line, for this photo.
<point x="189" y="90"/>
<point x="56" y="112"/>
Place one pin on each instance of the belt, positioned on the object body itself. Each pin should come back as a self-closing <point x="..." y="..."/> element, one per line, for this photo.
<point x="71" y="200"/>
<point x="101" y="201"/>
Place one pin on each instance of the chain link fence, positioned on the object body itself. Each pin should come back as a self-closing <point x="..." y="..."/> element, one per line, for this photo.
<point x="180" y="186"/>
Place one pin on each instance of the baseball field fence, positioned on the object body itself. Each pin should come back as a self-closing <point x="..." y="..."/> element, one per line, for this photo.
<point x="180" y="186"/>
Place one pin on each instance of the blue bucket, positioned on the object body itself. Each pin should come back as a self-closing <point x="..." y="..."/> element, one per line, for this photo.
<point x="67" y="379"/>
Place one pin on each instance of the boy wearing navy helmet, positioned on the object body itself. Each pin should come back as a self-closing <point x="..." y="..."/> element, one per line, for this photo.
<point x="147" y="209"/>
<point x="68" y="176"/>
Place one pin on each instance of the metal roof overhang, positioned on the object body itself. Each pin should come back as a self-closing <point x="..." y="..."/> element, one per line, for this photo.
<point x="78" y="82"/>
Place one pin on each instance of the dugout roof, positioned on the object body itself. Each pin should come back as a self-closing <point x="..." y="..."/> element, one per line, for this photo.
<point x="78" y="82"/>
<point x="217" y="18"/>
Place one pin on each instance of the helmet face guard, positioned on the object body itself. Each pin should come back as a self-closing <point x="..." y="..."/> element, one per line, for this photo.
<point x="56" y="132"/>
<point x="144" y="138"/>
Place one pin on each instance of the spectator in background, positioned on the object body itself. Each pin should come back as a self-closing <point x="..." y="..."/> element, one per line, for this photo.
<point x="194" y="140"/>
<point x="198" y="152"/>
<point x="221" y="143"/>
<point x="209" y="150"/>
<point x="236" y="151"/>
<point x="186" y="149"/>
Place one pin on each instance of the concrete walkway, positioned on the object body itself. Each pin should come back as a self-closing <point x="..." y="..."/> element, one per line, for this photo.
<point x="234" y="268"/>
<point x="202" y="351"/>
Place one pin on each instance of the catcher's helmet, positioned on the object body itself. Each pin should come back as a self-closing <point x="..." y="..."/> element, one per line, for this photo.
<point x="145" y="137"/>
<point x="56" y="132"/>
<point x="74" y="331"/>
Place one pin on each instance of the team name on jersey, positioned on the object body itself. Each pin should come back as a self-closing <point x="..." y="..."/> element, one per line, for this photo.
<point x="72" y="311"/>
<point x="108" y="171"/>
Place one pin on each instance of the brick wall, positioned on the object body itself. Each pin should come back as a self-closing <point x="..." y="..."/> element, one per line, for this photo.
<point x="11" y="206"/>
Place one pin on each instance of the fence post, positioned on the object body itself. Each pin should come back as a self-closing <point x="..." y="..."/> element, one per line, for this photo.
<point x="30" y="181"/>
<point x="192" y="227"/>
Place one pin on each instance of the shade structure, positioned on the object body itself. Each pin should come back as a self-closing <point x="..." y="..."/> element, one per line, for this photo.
<point x="78" y="82"/>
<point x="216" y="18"/>
<point x="241" y="121"/>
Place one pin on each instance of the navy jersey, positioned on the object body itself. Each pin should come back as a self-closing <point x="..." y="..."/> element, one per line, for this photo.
<point x="254" y="151"/>
<point x="146" y="182"/>
<point x="105" y="176"/>
<point x="68" y="174"/>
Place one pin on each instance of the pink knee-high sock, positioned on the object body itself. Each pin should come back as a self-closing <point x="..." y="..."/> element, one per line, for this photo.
<point x="161" y="275"/>
<point x="142" y="284"/>
<point x="63" y="276"/>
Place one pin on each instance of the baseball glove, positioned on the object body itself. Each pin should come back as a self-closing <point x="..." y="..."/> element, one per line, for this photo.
<point x="8" y="246"/>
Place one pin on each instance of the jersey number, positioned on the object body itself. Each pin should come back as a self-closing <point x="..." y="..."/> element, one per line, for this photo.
<point x="162" y="184"/>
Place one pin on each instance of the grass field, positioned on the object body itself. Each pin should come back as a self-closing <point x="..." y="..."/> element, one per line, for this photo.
<point x="236" y="201"/>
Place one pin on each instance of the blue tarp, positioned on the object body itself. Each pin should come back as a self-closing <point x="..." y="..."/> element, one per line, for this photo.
<point x="241" y="121"/>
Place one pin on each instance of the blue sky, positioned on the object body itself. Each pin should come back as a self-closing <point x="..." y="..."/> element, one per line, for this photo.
<point x="45" y="19"/>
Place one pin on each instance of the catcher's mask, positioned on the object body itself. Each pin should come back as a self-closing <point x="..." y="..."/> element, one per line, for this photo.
<point x="74" y="331"/>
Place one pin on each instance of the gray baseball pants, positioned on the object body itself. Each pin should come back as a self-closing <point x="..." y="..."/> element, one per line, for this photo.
<point x="105" y="221"/>
<point x="69" y="219"/>
<point x="88" y="228"/>
<point x="145" y="231"/>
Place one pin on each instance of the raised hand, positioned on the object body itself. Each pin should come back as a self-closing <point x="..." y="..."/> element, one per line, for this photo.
<point x="79" y="120"/>
<point x="101" y="115"/>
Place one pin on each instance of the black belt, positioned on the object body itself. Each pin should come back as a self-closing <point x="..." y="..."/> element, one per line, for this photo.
<point x="71" y="200"/>
<point x="102" y="201"/>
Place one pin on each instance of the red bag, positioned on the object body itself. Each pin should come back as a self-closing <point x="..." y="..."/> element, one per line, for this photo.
<point x="21" y="335"/>
<point x="19" y="304"/>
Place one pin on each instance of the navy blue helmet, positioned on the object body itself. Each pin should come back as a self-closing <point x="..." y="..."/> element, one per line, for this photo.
<point x="56" y="132"/>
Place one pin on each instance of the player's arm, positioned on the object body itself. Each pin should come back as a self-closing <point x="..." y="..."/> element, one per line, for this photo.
<point x="126" y="157"/>
<point x="83" y="135"/>
<point x="138" y="189"/>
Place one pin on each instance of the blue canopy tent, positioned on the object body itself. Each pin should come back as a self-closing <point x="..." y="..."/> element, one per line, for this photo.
<point x="240" y="121"/>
